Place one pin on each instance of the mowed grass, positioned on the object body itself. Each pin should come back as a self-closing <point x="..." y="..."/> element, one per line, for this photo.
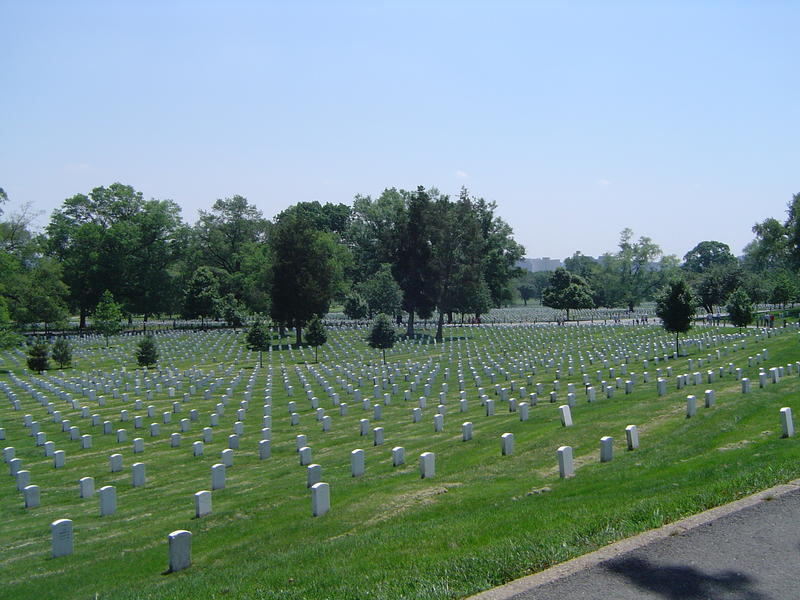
<point x="483" y="520"/>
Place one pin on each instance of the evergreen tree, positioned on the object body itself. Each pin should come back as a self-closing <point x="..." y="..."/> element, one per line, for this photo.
<point x="146" y="351"/>
<point x="259" y="338"/>
<point x="740" y="309"/>
<point x="107" y="316"/>
<point x="316" y="335"/>
<point x="62" y="352"/>
<point x="382" y="335"/>
<point x="675" y="307"/>
<point x="38" y="356"/>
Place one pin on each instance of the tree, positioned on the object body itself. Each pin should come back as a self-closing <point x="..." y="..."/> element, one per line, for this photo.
<point x="413" y="269"/>
<point x="202" y="295"/>
<point x="634" y="267"/>
<point x="38" y="295"/>
<point x="316" y="335"/>
<point x="107" y="316"/>
<point x="146" y="351"/>
<point x="715" y="285"/>
<point x="8" y="338"/>
<point x="740" y="308"/>
<point x="259" y="338"/>
<point x="783" y="290"/>
<point x="526" y="292"/>
<point x="62" y="352"/>
<point x="381" y="292"/>
<point x="675" y="307"/>
<point x="38" y="356"/>
<point x="706" y="255"/>
<point x="355" y="307"/>
<point x="769" y="252"/>
<point x="231" y="310"/>
<point x="304" y="272"/>
<point x="382" y="334"/>
<point x="566" y="291"/>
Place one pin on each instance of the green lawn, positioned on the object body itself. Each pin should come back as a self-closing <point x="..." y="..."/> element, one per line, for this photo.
<point x="482" y="521"/>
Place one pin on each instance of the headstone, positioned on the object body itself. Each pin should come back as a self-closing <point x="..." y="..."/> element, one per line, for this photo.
<point x="305" y="456"/>
<point x="320" y="499"/>
<point x="30" y="494"/>
<point x="398" y="456"/>
<point x="438" y="422"/>
<point x="466" y="431"/>
<point x="377" y="436"/>
<point x="115" y="463"/>
<point x="313" y="474"/>
<point x="566" y="415"/>
<point x="606" y="448"/>
<point x="357" y="462"/>
<point x="202" y="503"/>
<point x="180" y="550"/>
<point x="786" y="422"/>
<point x="226" y="456"/>
<point x="61" y="532"/>
<point x="263" y="449"/>
<point x="108" y="500"/>
<point x="197" y="448"/>
<point x="86" y="487"/>
<point x="507" y="444"/>
<point x="709" y="398"/>
<point x="59" y="458"/>
<point x="137" y="474"/>
<point x="218" y="476"/>
<point x="522" y="409"/>
<point x="691" y="406"/>
<point x="565" y="468"/>
<point x="427" y="465"/>
<point x="632" y="436"/>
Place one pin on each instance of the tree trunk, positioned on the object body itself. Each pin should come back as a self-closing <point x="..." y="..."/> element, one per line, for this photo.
<point x="384" y="355"/>
<point x="316" y="356"/>
<point x="410" y="326"/>
<point x="567" y="314"/>
<point x="450" y="317"/>
<point x="261" y="358"/>
<point x="298" y="331"/>
<point x="439" y="327"/>
<point x="677" y="349"/>
<point x="82" y="324"/>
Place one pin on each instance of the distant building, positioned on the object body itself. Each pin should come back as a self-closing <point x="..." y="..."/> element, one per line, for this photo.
<point x="535" y="265"/>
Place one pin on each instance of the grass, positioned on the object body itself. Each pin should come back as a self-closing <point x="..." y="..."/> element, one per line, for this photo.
<point x="390" y="534"/>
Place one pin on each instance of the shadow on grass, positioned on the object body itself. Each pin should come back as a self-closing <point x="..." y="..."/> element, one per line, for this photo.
<point x="679" y="582"/>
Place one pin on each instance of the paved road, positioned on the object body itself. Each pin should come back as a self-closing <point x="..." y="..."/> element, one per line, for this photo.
<point x="750" y="553"/>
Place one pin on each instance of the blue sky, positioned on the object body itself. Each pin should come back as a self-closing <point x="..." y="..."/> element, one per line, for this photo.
<point x="677" y="119"/>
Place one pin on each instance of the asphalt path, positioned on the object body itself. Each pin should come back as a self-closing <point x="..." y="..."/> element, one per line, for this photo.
<point x="747" y="550"/>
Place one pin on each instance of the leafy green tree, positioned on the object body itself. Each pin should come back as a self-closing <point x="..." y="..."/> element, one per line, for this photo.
<point x="675" y="306"/>
<point x="706" y="255"/>
<point x="526" y="292"/>
<point x="567" y="291"/>
<point x="8" y="338"/>
<point x="374" y="231"/>
<point x="633" y="266"/>
<point x="382" y="334"/>
<point x="413" y="270"/>
<point x="38" y="356"/>
<point x="740" y="308"/>
<point x="202" y="295"/>
<point x="355" y="307"/>
<point x="783" y="290"/>
<point x="769" y="251"/>
<point x="259" y="338"/>
<point x="230" y="310"/>
<point x="62" y="352"/>
<point x="147" y="351"/>
<point x="38" y="295"/>
<point x="304" y="272"/>
<point x="316" y="335"/>
<point x="717" y="283"/>
<point x="381" y="292"/>
<point x="107" y="316"/>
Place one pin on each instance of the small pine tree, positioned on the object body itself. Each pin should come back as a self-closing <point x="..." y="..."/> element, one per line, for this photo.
<point x="740" y="309"/>
<point x="316" y="335"/>
<point x="259" y="338"/>
<point x="62" y="352"/>
<point x="146" y="351"/>
<point x="675" y="307"/>
<point x="382" y="335"/>
<point x="38" y="356"/>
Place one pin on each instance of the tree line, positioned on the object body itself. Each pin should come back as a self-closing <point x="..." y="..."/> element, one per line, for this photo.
<point x="768" y="271"/>
<point x="404" y="253"/>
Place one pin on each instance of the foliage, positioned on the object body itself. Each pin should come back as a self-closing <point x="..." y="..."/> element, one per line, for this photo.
<point x="202" y="294"/>
<point x="355" y="307"/>
<point x="740" y="308"/>
<point x="715" y="285"/>
<point x="38" y="356"/>
<point x="316" y="335"/>
<point x="675" y="307"/>
<point x="230" y="310"/>
<point x="567" y="291"/>
<point x="304" y="272"/>
<point x="783" y="290"/>
<point x="706" y="255"/>
<point x="381" y="293"/>
<point x="259" y="338"/>
<point x="382" y="334"/>
<point x="8" y="338"/>
<point x="107" y="316"/>
<point x="62" y="352"/>
<point x="146" y="351"/>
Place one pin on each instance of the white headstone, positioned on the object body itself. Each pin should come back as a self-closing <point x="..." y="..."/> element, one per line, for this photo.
<point x="565" y="468"/>
<point x="427" y="465"/>
<point x="180" y="550"/>
<point x="108" y="500"/>
<point x="61" y="531"/>
<point x="202" y="503"/>
<point x="320" y="499"/>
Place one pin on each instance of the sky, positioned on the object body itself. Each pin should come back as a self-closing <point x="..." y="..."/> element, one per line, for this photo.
<point x="679" y="120"/>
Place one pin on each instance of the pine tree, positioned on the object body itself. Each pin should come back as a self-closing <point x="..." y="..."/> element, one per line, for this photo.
<point x="38" y="356"/>
<point x="382" y="335"/>
<point x="62" y="352"/>
<point x="259" y="338"/>
<point x="316" y="335"/>
<point x="146" y="351"/>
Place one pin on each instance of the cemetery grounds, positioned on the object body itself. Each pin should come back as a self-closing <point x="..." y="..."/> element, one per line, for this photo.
<point x="483" y="519"/>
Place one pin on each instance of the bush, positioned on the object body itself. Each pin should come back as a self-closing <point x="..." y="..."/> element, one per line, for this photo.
<point x="38" y="357"/>
<point x="146" y="352"/>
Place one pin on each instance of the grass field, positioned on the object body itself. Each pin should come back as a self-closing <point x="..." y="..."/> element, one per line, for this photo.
<point x="483" y="520"/>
